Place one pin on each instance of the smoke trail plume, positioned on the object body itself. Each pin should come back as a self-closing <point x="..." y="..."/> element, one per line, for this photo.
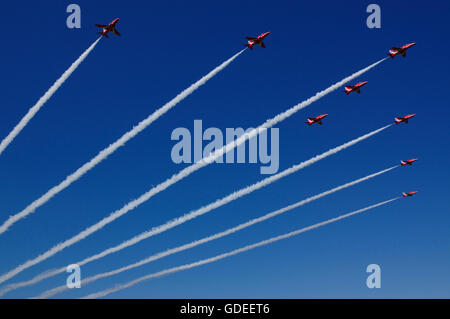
<point x="54" y="291"/>
<point x="178" y="176"/>
<point x="196" y="213"/>
<point x="231" y="253"/>
<point x="113" y="147"/>
<point x="35" y="108"/>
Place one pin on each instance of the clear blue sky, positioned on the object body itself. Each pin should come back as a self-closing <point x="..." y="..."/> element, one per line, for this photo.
<point x="165" y="47"/>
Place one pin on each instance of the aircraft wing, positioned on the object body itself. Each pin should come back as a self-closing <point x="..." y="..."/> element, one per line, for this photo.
<point x="251" y="38"/>
<point x="116" y="32"/>
<point x="263" y="45"/>
<point x="101" y="25"/>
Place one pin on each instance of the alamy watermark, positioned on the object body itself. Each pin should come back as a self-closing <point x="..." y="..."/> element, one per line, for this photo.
<point x="189" y="147"/>
<point x="374" y="279"/>
<point x="74" y="279"/>
<point x="74" y="19"/>
<point x="374" y="19"/>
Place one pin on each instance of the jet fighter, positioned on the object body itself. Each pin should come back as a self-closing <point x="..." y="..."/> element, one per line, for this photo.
<point x="317" y="119"/>
<point x="404" y="118"/>
<point x="402" y="50"/>
<point x="108" y="28"/>
<point x="258" y="40"/>
<point x="357" y="87"/>
<point x="409" y="194"/>
<point x="408" y="162"/>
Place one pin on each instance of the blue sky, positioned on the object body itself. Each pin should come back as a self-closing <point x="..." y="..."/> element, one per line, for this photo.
<point x="164" y="48"/>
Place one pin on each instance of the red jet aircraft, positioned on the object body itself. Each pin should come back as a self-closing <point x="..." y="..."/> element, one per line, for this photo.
<point x="317" y="119"/>
<point x="259" y="40"/>
<point x="108" y="28"/>
<point x="404" y="118"/>
<point x="402" y="50"/>
<point x="408" y="162"/>
<point x="350" y="88"/>
<point x="409" y="194"/>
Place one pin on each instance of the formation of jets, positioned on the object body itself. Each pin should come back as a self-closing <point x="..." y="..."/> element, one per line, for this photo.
<point x="397" y="120"/>
<point x="108" y="28"/>
<point x="409" y="162"/>
<point x="252" y="41"/>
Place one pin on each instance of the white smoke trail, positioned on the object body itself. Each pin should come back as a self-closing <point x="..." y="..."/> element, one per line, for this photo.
<point x="194" y="214"/>
<point x="232" y="253"/>
<point x="102" y="155"/>
<point x="57" y="290"/>
<point x="177" y="177"/>
<point x="35" y="108"/>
